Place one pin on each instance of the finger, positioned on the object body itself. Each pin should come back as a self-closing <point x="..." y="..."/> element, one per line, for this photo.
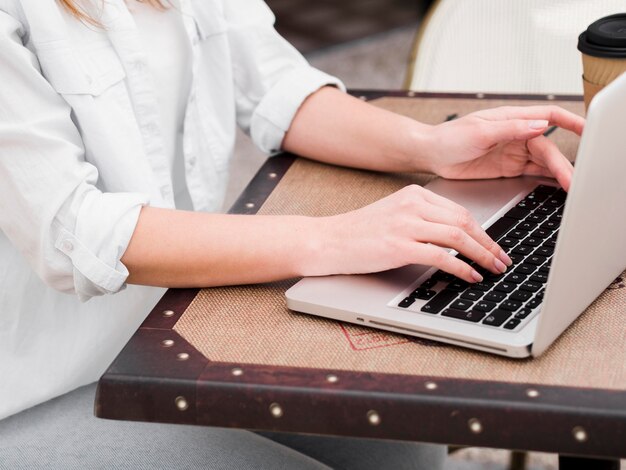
<point x="447" y="236"/>
<point x="533" y="169"/>
<point x="556" y="116"/>
<point x="513" y="129"/>
<point x="545" y="153"/>
<point x="460" y="217"/>
<point x="432" y="255"/>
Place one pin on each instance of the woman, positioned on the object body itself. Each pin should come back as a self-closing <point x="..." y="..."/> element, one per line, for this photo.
<point x="117" y="121"/>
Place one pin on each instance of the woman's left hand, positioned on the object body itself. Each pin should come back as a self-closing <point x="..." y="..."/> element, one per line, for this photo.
<point x="504" y="142"/>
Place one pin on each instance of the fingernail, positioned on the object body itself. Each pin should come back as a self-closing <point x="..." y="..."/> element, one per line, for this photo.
<point x="506" y="259"/>
<point x="500" y="266"/>
<point x="538" y="124"/>
<point x="476" y="275"/>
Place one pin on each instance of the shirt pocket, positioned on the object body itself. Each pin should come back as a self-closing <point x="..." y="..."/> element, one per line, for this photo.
<point x="86" y="71"/>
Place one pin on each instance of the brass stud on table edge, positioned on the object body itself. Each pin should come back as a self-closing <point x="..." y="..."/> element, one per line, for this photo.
<point x="272" y="175"/>
<point x="532" y="393"/>
<point x="237" y="371"/>
<point x="167" y="343"/>
<point x="182" y="356"/>
<point x="550" y="97"/>
<point x="275" y="410"/>
<point x="580" y="434"/>
<point x="249" y="205"/>
<point x="411" y="94"/>
<point x="168" y="313"/>
<point x="332" y="378"/>
<point x="181" y="403"/>
<point x="480" y="96"/>
<point x="431" y="385"/>
<point x="373" y="417"/>
<point x="475" y="426"/>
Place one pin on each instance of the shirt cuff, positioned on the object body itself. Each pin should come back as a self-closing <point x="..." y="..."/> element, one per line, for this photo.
<point x="274" y="114"/>
<point x="104" y="227"/>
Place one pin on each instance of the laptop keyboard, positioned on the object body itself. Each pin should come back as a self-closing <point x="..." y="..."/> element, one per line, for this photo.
<point x="527" y="233"/>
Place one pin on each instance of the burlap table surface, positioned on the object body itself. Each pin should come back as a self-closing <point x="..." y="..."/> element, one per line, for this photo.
<point x="252" y="325"/>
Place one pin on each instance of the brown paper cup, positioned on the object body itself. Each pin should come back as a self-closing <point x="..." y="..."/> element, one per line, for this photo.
<point x="598" y="72"/>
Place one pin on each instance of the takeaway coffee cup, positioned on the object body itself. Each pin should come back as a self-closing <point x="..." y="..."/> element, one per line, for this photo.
<point x="603" y="47"/>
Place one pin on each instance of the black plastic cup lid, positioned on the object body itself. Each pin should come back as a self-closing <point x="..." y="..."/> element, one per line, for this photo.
<point x="605" y="37"/>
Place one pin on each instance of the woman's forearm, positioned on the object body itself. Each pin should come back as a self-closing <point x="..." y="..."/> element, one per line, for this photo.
<point x="173" y="248"/>
<point x="334" y="127"/>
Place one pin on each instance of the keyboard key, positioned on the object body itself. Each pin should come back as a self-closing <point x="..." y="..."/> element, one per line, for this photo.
<point x="428" y="283"/>
<point x="516" y="278"/>
<point x="550" y="225"/>
<point x="536" y="260"/>
<point x="534" y="303"/>
<point x="550" y="243"/>
<point x="545" y="251"/>
<point x="526" y="225"/>
<point x="483" y="286"/>
<point x="545" y="210"/>
<point x="539" y="277"/>
<point x="535" y="218"/>
<point x="472" y="294"/>
<point x="438" y="302"/>
<point x="519" y="234"/>
<point x="507" y="242"/>
<point x="523" y="313"/>
<point x="461" y="304"/>
<point x="521" y="295"/>
<point x="491" y="277"/>
<point x="443" y="276"/>
<point x="517" y="213"/>
<point x="505" y="287"/>
<point x="511" y="305"/>
<point x="500" y="227"/>
<point x="512" y="323"/>
<point x="544" y="269"/>
<point x="516" y="257"/>
<point x="556" y="218"/>
<point x="541" y="233"/>
<point x="471" y="315"/>
<point x="495" y="296"/>
<point x="522" y="249"/>
<point x="458" y="285"/>
<point x="484" y="306"/>
<point x="407" y="302"/>
<point x="532" y="241"/>
<point x="530" y="286"/>
<point x="497" y="318"/>
<point x="528" y="203"/>
<point x="525" y="268"/>
<point x="424" y="294"/>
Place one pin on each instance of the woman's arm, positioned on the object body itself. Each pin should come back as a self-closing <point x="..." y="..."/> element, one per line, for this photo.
<point x="334" y="127"/>
<point x="410" y="226"/>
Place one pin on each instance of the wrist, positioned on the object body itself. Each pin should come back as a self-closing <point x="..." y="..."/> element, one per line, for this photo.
<point x="418" y="147"/>
<point x="319" y="247"/>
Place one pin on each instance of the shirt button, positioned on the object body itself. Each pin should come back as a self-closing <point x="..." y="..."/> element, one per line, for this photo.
<point x="67" y="245"/>
<point x="138" y="66"/>
<point x="192" y="160"/>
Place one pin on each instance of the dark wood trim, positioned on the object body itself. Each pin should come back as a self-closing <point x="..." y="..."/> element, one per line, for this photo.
<point x="368" y="95"/>
<point x="160" y="377"/>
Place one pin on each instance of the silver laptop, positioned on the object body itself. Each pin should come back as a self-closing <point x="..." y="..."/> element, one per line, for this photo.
<point x="566" y="252"/>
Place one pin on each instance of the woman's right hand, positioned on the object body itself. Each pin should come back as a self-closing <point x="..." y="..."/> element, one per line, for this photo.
<point x="411" y="226"/>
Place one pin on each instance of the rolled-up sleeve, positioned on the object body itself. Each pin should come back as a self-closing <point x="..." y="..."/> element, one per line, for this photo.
<point x="272" y="79"/>
<point x="71" y="232"/>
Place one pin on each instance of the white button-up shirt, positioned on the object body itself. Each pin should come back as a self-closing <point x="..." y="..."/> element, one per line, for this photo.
<point x="81" y="151"/>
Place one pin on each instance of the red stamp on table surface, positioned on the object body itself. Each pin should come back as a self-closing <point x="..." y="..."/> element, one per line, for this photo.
<point x="366" y="338"/>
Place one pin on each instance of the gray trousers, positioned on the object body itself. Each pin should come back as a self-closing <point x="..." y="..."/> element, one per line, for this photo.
<point x="64" y="434"/>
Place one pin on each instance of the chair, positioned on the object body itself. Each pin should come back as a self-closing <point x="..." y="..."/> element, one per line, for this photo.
<point x="504" y="46"/>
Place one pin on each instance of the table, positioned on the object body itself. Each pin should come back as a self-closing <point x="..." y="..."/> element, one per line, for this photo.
<point x="237" y="357"/>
